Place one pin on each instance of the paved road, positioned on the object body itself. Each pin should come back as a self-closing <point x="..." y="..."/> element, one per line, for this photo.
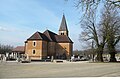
<point x="45" y="70"/>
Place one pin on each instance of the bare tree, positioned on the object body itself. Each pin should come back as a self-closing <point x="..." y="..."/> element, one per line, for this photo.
<point x="87" y="5"/>
<point x="94" y="31"/>
<point x="5" y="48"/>
<point x="111" y="21"/>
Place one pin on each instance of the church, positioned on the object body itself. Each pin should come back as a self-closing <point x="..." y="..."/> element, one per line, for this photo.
<point x="49" y="44"/>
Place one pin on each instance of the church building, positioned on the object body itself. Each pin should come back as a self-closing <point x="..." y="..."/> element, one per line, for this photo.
<point x="47" y="44"/>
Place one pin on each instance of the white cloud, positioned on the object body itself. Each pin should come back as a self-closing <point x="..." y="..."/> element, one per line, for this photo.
<point x="3" y="29"/>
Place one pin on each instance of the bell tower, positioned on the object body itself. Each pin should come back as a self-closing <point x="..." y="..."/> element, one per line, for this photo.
<point x="63" y="30"/>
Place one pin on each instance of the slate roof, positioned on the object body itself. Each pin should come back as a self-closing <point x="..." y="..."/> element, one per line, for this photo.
<point x="63" y="39"/>
<point x="50" y="37"/>
<point x="38" y="36"/>
<point x="63" y="25"/>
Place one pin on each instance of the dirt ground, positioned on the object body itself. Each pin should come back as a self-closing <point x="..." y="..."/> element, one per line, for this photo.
<point x="58" y="70"/>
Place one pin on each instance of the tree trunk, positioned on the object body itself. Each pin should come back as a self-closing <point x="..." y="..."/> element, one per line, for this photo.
<point x="99" y="57"/>
<point x="112" y="53"/>
<point x="112" y="57"/>
<point x="99" y="54"/>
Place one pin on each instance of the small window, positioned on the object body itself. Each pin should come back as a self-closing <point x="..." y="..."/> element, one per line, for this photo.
<point x="33" y="51"/>
<point x="34" y="43"/>
<point x="62" y="33"/>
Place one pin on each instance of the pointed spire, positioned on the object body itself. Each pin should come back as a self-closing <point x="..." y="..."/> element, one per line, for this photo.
<point x="63" y="26"/>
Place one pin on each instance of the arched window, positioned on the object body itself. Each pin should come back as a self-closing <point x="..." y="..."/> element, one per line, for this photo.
<point x="62" y="33"/>
<point x="33" y="52"/>
<point x="34" y="43"/>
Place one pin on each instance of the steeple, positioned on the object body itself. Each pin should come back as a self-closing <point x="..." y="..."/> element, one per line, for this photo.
<point x="63" y="30"/>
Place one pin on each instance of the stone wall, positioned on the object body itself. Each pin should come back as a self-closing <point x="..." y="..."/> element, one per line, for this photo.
<point x="64" y="48"/>
<point x="38" y="49"/>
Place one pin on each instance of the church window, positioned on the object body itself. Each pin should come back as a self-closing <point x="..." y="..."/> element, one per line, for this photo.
<point x="62" y="33"/>
<point x="33" y="51"/>
<point x="34" y="43"/>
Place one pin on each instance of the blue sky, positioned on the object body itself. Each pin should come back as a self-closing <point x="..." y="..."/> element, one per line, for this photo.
<point x="19" y="19"/>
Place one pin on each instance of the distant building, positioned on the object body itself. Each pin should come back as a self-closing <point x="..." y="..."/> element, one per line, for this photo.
<point x="42" y="45"/>
<point x="19" y="49"/>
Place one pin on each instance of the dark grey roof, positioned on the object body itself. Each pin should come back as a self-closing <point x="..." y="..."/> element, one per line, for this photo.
<point x="38" y="36"/>
<point x="50" y="35"/>
<point x="63" y="39"/>
<point x="63" y="26"/>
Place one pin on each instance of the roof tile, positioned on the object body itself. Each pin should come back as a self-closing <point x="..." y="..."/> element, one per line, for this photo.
<point x="18" y="49"/>
<point x="38" y="36"/>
